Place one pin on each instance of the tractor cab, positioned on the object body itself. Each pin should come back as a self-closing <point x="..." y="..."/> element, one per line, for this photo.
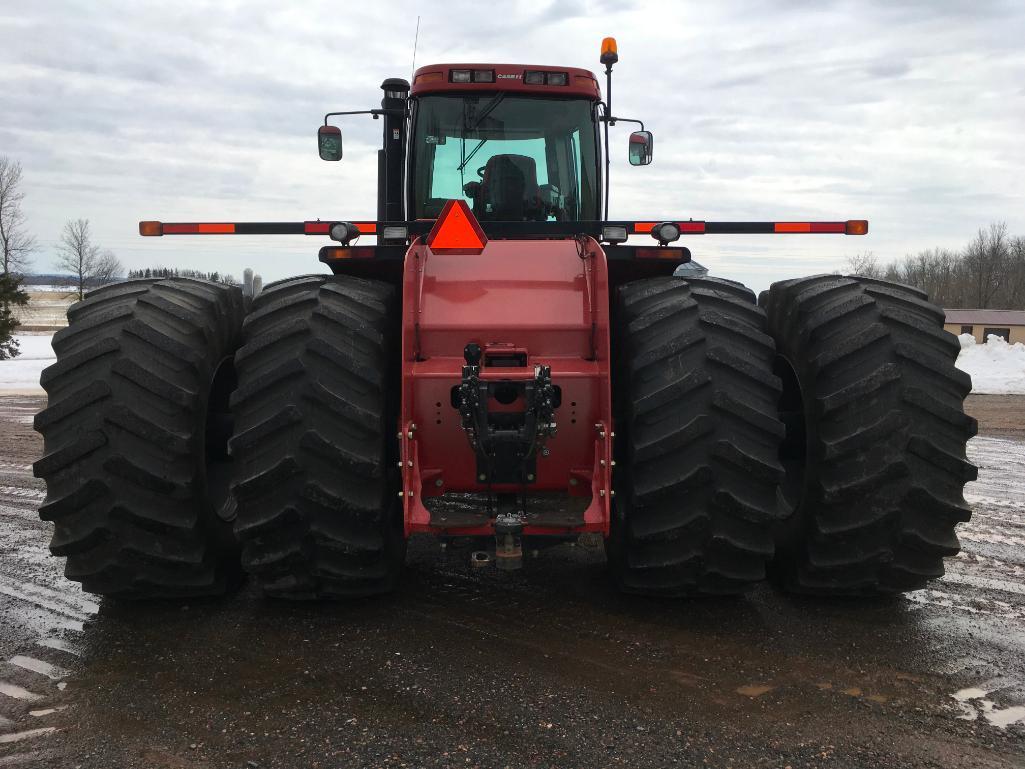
<point x="510" y="157"/>
<point x="516" y="143"/>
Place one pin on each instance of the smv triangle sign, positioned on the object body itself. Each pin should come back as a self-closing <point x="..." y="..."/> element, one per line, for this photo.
<point x="457" y="231"/>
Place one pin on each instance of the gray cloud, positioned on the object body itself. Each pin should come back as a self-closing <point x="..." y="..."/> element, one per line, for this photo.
<point x="907" y="113"/>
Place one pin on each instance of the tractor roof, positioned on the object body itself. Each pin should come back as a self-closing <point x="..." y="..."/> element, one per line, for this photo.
<point x="514" y="78"/>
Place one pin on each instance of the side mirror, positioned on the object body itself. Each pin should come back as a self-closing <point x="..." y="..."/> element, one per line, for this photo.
<point x="641" y="145"/>
<point x="329" y="142"/>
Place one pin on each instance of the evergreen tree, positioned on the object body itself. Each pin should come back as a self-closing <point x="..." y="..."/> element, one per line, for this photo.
<point x="11" y="296"/>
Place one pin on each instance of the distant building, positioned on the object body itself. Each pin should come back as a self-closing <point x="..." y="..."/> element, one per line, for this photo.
<point x="691" y="270"/>
<point x="1010" y="324"/>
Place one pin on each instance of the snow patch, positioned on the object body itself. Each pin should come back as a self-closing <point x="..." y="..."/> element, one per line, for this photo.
<point x="22" y="373"/>
<point x="996" y="368"/>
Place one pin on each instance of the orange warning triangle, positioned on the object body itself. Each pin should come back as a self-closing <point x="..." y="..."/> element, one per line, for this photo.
<point x="457" y="231"/>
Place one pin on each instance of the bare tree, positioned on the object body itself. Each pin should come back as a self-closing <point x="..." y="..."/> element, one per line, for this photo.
<point x="87" y="263"/>
<point x="989" y="272"/>
<point x="16" y="245"/>
<point x="1014" y="283"/>
<point x="864" y="264"/>
<point x="985" y="257"/>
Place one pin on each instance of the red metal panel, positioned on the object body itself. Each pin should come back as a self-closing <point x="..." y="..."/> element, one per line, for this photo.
<point x="548" y="298"/>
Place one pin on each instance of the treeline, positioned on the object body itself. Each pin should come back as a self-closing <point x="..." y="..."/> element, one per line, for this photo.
<point x="174" y="272"/>
<point x="988" y="273"/>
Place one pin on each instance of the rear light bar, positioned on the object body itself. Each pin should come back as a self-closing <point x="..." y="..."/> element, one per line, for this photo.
<point x="156" y="229"/>
<point x="609" y="232"/>
<point x="850" y="227"/>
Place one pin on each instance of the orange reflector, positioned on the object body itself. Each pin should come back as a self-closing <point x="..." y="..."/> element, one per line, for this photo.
<point x="355" y="252"/>
<point x="644" y="227"/>
<point x="150" y="229"/>
<point x="793" y="227"/>
<point x="366" y="228"/>
<point x="676" y="254"/>
<point x="857" y="227"/>
<point x="216" y="229"/>
<point x="430" y="77"/>
<point x="456" y="231"/>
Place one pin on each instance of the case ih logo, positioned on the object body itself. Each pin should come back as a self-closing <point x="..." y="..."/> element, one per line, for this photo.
<point x="507" y="77"/>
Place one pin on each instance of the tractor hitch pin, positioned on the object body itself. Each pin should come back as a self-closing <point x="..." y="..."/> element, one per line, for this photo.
<point x="508" y="542"/>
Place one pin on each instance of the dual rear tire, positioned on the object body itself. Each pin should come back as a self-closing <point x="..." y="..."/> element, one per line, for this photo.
<point x="182" y="442"/>
<point x="820" y="436"/>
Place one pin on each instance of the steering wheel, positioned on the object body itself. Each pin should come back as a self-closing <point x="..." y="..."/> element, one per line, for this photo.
<point x="480" y="171"/>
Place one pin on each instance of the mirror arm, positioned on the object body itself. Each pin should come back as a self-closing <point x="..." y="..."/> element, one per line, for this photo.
<point x="375" y="112"/>
<point x="614" y="120"/>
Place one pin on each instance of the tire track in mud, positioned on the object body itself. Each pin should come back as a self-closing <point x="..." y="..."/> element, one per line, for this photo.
<point x="42" y="614"/>
<point x="986" y="579"/>
<point x="982" y="592"/>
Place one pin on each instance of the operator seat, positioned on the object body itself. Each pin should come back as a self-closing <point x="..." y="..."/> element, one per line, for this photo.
<point x="509" y="191"/>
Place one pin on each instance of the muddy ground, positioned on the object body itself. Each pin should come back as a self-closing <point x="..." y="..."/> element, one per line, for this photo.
<point x="546" y="667"/>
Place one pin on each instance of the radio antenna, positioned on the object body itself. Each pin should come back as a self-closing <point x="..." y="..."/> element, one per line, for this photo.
<point x="416" y="39"/>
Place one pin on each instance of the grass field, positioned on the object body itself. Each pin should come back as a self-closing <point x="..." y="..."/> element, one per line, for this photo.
<point x="46" y="310"/>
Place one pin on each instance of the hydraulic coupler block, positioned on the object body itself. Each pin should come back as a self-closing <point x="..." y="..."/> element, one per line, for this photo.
<point x="509" y="542"/>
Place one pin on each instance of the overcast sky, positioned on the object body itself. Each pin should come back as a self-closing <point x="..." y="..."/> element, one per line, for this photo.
<point x="909" y="114"/>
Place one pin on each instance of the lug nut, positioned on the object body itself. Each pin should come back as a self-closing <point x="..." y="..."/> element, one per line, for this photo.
<point x="482" y="477"/>
<point x="530" y="476"/>
<point x="439" y="483"/>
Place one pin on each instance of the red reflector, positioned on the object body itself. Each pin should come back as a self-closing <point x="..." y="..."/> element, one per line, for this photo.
<point x="317" y="228"/>
<point x="828" y="227"/>
<point x="676" y="254"/>
<point x="352" y="252"/>
<point x="150" y="229"/>
<point x="692" y="228"/>
<point x="856" y="227"/>
<point x="180" y="229"/>
<point x="456" y="231"/>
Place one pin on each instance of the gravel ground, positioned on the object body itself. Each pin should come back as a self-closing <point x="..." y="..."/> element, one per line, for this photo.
<point x="545" y="667"/>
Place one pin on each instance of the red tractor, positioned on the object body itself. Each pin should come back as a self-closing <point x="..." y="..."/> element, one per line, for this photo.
<point x="503" y="365"/>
